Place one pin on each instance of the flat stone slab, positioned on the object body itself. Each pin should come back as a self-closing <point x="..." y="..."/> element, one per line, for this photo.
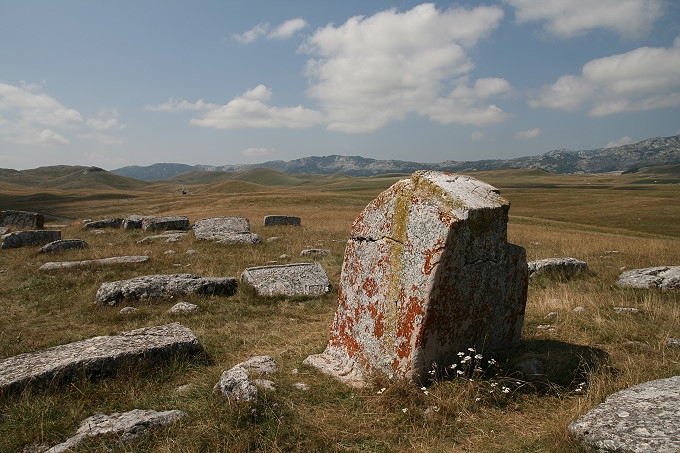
<point x="167" y="237"/>
<point x="127" y="425"/>
<point x="663" y="277"/>
<point x="225" y="230"/>
<point x="62" y="245"/>
<point x="281" y="220"/>
<point x="300" y="279"/>
<point x="156" y="223"/>
<point x="644" y="418"/>
<point x="564" y="266"/>
<point x="22" y="219"/>
<point x="111" y="222"/>
<point x="315" y="252"/>
<point x="25" y="238"/>
<point x="97" y="262"/>
<point x="96" y="356"/>
<point x="163" y="286"/>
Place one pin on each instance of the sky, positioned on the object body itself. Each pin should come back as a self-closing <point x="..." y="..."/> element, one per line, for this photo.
<point x="137" y="82"/>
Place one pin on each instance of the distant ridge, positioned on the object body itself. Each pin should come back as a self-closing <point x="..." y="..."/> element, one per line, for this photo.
<point x="652" y="152"/>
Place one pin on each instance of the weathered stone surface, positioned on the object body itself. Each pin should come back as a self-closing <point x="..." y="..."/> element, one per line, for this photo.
<point x="133" y="222"/>
<point x="235" y="382"/>
<point x="167" y="237"/>
<point x="225" y="230"/>
<point x="25" y="238"/>
<point x="300" y="279"/>
<point x="184" y="307"/>
<point x="159" y="223"/>
<point x="113" y="222"/>
<point x="128" y="311"/>
<point x="673" y="342"/>
<point x="98" y="262"/>
<point x="563" y="266"/>
<point x="427" y="273"/>
<point x="644" y="418"/>
<point x="63" y="245"/>
<point x="281" y="220"/>
<point x="127" y="425"/>
<point x="96" y="356"/>
<point x="163" y="286"/>
<point x="3" y="230"/>
<point x="312" y="252"/>
<point x="22" y="219"/>
<point x="663" y="277"/>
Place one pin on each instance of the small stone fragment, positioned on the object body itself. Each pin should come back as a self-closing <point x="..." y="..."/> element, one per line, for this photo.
<point x="315" y="252"/>
<point x="128" y="311"/>
<point x="235" y="382"/>
<point x="281" y="220"/>
<point x="301" y="386"/>
<point x="626" y="310"/>
<point x="113" y="222"/>
<point x="563" y="266"/>
<point x="184" y="307"/>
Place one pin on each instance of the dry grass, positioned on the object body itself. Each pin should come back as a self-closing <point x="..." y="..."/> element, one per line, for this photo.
<point x="604" y="350"/>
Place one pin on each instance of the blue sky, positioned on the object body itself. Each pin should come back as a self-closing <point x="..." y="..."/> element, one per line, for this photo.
<point x="116" y="83"/>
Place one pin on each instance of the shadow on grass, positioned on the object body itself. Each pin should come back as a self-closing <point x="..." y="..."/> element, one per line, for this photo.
<point x="551" y="365"/>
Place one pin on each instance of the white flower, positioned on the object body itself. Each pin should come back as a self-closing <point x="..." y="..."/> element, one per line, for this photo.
<point x="380" y="392"/>
<point x="505" y="389"/>
<point x="461" y="354"/>
<point x="492" y="361"/>
<point x="471" y="349"/>
<point x="404" y="410"/>
<point x="478" y="356"/>
<point x="460" y="372"/>
<point x="453" y="366"/>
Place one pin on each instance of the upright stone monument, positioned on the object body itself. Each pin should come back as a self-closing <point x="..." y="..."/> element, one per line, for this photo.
<point x="427" y="273"/>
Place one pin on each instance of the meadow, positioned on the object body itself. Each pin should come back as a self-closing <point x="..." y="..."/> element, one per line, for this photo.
<point x="611" y="221"/>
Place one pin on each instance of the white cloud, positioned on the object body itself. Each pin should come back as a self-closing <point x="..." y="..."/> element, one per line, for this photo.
<point x="628" y="18"/>
<point x="32" y="116"/>
<point x="531" y="133"/>
<point x="253" y="34"/>
<point x="250" y="111"/>
<point x="258" y="152"/>
<point x="288" y="29"/>
<point x="620" y="142"/>
<point x="175" y="105"/>
<point x="477" y="136"/>
<point x="642" y="79"/>
<point x="107" y="119"/>
<point x="373" y="70"/>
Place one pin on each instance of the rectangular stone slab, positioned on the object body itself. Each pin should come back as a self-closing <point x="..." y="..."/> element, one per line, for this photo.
<point x="25" y="238"/>
<point x="22" y="219"/>
<point x="96" y="356"/>
<point x="52" y="265"/>
<point x="300" y="279"/>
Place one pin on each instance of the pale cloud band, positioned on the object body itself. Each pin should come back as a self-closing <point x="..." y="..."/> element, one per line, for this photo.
<point x="531" y="133"/>
<point x="31" y="117"/>
<point x="286" y="30"/>
<point x="642" y="79"/>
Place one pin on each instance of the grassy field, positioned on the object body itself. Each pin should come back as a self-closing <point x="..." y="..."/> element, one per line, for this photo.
<point x="610" y="221"/>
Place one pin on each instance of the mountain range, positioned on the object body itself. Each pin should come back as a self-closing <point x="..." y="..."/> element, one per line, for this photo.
<point x="647" y="153"/>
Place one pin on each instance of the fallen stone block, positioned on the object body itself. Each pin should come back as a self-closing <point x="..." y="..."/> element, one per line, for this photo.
<point x="167" y="237"/>
<point x="159" y="223"/>
<point x="22" y="219"/>
<point x="127" y="425"/>
<point x="133" y="222"/>
<point x="235" y="382"/>
<point x="225" y="230"/>
<point x="564" y="266"/>
<point x="662" y="277"/>
<point x="62" y="245"/>
<point x="163" y="286"/>
<point x="25" y="238"/>
<point x="112" y="222"/>
<point x="315" y="252"/>
<point x="97" y="262"/>
<point x="427" y="273"/>
<point x="96" y="356"/>
<point x="281" y="220"/>
<point x="640" y="419"/>
<point x="300" y="279"/>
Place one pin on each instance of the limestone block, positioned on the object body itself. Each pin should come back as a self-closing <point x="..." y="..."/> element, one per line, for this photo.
<point x="127" y="424"/>
<point x="163" y="286"/>
<point x="98" y="262"/>
<point x="112" y="222"/>
<point x="235" y="382"/>
<point x="564" y="266"/>
<point x="156" y="223"/>
<point x="663" y="277"/>
<point x="300" y="279"/>
<point x="133" y="222"/>
<point x="22" y="219"/>
<point x="63" y="245"/>
<point x="225" y="230"/>
<point x="96" y="356"/>
<point x="281" y="220"/>
<point x="644" y="418"/>
<point x="427" y="273"/>
<point x="315" y="252"/>
<point x="25" y="238"/>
